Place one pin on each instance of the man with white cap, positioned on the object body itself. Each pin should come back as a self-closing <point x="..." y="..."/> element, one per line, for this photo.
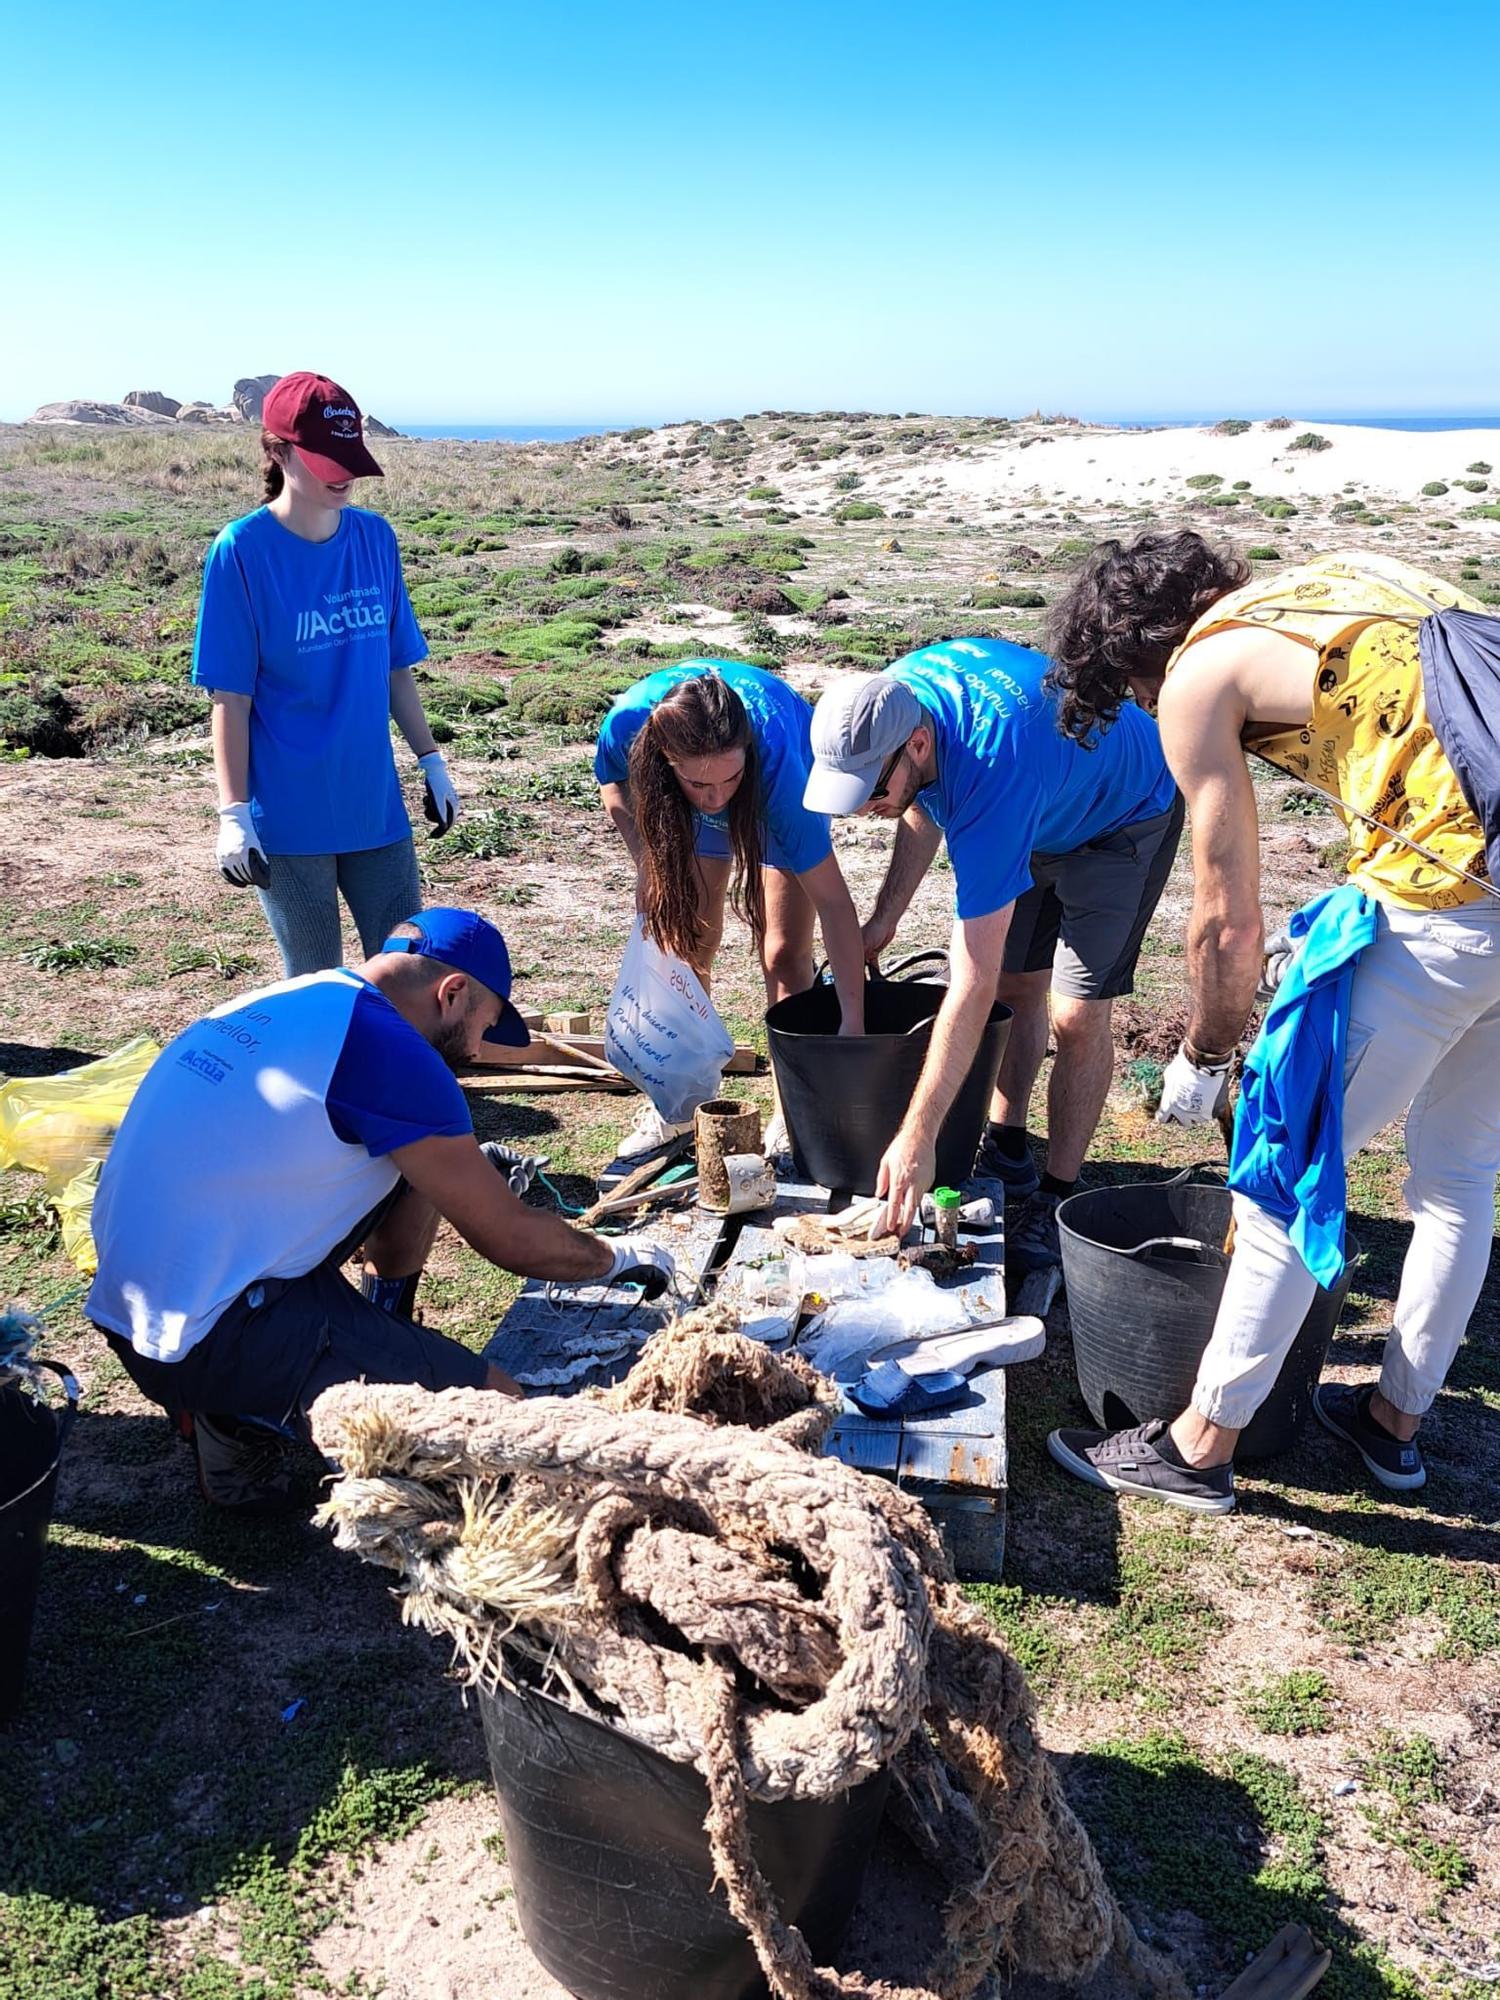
<point x="1060" y="851"/>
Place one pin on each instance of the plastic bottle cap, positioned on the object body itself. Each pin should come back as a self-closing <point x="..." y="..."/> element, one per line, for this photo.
<point x="946" y="1198"/>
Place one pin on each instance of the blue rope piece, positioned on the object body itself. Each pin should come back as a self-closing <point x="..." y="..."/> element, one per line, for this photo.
<point x="567" y="1207"/>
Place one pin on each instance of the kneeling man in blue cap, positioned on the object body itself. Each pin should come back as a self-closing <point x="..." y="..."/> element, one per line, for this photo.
<point x="272" y="1140"/>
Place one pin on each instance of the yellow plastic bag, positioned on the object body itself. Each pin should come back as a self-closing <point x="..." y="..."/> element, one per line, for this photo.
<point x="61" y="1127"/>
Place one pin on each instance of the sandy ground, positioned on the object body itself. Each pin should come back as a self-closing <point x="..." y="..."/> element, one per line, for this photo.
<point x="1087" y="465"/>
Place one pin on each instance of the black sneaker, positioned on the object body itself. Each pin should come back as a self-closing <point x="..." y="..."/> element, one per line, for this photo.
<point x="1019" y="1178"/>
<point x="246" y="1467"/>
<point x="1345" y="1411"/>
<point x="1031" y="1241"/>
<point x="1128" y="1462"/>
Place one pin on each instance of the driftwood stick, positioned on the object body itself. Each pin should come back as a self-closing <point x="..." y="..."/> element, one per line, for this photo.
<point x="1290" y="1967"/>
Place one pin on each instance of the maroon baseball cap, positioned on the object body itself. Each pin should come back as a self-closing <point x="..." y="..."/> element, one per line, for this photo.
<point x="323" y="422"/>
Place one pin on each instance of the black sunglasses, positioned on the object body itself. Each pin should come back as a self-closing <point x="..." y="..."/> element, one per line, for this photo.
<point x="888" y="772"/>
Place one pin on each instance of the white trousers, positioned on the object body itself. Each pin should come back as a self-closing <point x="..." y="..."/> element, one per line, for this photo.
<point x="1424" y="1032"/>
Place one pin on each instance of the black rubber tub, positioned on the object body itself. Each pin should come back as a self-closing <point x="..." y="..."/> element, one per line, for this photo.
<point x="1140" y="1326"/>
<point x="31" y="1441"/>
<point x="844" y="1097"/>
<point x="614" y="1885"/>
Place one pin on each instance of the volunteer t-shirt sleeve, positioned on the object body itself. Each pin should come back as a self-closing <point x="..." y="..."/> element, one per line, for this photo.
<point x="990" y="837"/>
<point x="389" y="1087"/>
<point x="803" y="836"/>
<point x="226" y="648"/>
<point x="617" y="732"/>
<point x="407" y="644"/>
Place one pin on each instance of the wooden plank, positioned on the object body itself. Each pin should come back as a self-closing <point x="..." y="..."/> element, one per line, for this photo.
<point x="537" y="1083"/>
<point x="744" y="1062"/>
<point x="1290" y="1967"/>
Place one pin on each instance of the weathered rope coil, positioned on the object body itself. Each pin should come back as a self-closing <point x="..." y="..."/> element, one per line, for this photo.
<point x="569" y="1530"/>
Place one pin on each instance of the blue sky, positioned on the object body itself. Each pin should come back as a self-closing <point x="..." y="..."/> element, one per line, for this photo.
<point x="512" y="212"/>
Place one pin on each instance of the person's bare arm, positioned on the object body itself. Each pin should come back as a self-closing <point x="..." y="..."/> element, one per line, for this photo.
<point x="839" y="924"/>
<point x="408" y="714"/>
<point x="230" y="731"/>
<point x="917" y="841"/>
<point x="464" y="1188"/>
<point x="974" y="958"/>
<point x="615" y="800"/>
<point x="1202" y="713"/>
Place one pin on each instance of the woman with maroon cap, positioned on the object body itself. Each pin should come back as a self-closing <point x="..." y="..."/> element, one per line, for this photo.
<point x="307" y="640"/>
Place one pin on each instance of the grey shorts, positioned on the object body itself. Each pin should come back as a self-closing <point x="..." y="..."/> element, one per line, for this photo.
<point x="1086" y="913"/>
<point x="283" y="1341"/>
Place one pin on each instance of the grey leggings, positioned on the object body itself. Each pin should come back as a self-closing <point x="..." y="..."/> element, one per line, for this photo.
<point x="379" y="884"/>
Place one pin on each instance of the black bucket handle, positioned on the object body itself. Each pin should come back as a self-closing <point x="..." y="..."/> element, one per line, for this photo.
<point x="64" y="1420"/>
<point x="873" y="974"/>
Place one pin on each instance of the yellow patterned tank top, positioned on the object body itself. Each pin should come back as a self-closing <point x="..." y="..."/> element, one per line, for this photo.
<point x="1369" y="740"/>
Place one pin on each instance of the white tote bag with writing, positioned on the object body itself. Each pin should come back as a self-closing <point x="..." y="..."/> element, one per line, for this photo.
<point x="661" y="1029"/>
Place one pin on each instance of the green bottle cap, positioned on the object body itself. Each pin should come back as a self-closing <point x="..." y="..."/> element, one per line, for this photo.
<point x="946" y="1198"/>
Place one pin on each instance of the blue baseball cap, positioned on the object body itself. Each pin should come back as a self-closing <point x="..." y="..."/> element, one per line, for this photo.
<point x="467" y="942"/>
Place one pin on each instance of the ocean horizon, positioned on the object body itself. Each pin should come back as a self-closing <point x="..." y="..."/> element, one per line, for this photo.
<point x="461" y="431"/>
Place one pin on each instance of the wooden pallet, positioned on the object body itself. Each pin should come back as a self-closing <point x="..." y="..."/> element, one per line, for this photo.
<point x="955" y="1459"/>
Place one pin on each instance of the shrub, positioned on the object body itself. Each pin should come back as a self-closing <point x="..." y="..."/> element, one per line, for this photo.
<point x="1204" y="480"/>
<point x="764" y="493"/>
<point x="1231" y="427"/>
<point x="1276" y="510"/>
<point x="1435" y="487"/>
<point x="37" y="716"/>
<point x="80" y="954"/>
<point x="1242" y="486"/>
<point x="1475" y="485"/>
<point x="1310" y="441"/>
<point x="1479" y="465"/>
<point x="572" y="700"/>
<point x="782" y="553"/>
<point x="1485" y="511"/>
<point x="846" y="482"/>
<point x="1261" y="553"/>
<point x="1007" y="597"/>
<point x="1221" y="499"/>
<point x="859" y="510"/>
<point x="1278" y="423"/>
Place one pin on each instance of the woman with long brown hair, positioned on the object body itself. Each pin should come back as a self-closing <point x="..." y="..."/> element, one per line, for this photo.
<point x="701" y="770"/>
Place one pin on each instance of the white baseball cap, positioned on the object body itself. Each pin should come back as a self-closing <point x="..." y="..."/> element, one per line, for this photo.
<point x="858" y="723"/>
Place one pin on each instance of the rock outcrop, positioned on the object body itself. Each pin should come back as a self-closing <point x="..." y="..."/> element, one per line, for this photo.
<point x="154" y="401"/>
<point x="150" y="407"/>
<point x="208" y="413"/>
<point x="76" y="411"/>
<point x="249" y="395"/>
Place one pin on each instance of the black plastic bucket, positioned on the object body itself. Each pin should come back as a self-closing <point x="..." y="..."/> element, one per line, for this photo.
<point x="844" y="1097"/>
<point x="614" y="1884"/>
<point x="1140" y="1325"/>
<point x="31" y="1439"/>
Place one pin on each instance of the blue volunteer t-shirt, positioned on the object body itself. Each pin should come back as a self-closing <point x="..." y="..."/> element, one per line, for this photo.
<point x="1010" y="784"/>
<point x="782" y="725"/>
<point x="257" y="1142"/>
<point x="312" y="632"/>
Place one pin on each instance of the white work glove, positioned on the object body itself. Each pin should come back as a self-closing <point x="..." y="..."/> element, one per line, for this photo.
<point x="1193" y="1096"/>
<point x="638" y="1261"/>
<point x="1276" y="963"/>
<point x="519" y="1169"/>
<point x="439" y="800"/>
<point x="241" y="858"/>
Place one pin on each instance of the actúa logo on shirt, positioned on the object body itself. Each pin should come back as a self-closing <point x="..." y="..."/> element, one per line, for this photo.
<point x="349" y="619"/>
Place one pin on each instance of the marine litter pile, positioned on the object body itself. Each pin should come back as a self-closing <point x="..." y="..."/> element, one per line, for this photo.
<point x="692" y="1497"/>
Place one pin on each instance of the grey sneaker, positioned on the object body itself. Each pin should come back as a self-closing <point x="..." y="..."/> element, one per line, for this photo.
<point x="1345" y="1411"/>
<point x="247" y="1467"/>
<point x="1128" y="1462"/>
<point x="1031" y="1241"/>
<point x="1019" y="1178"/>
